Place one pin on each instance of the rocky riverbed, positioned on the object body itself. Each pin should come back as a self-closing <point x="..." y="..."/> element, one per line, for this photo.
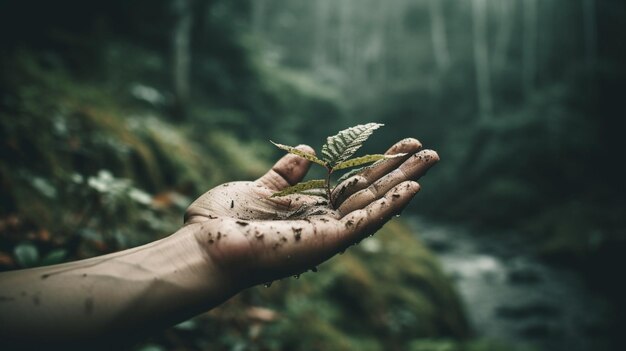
<point x="511" y="295"/>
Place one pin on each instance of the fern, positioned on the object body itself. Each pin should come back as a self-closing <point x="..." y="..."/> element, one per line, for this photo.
<point x="336" y="155"/>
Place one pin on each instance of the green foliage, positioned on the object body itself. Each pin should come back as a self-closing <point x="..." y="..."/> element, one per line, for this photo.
<point x="344" y="144"/>
<point x="335" y="156"/>
<point x="26" y="254"/>
<point x="84" y="173"/>
<point x="55" y="256"/>
<point x="300" y="153"/>
<point x="356" y="171"/>
<point x="358" y="161"/>
<point x="472" y="345"/>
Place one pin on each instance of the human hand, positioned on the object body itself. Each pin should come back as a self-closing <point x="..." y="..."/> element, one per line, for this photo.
<point x="252" y="238"/>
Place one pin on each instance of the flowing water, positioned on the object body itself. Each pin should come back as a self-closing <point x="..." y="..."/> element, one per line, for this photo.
<point x="513" y="296"/>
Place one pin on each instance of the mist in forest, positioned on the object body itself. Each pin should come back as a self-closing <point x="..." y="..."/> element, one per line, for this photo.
<point x="126" y="111"/>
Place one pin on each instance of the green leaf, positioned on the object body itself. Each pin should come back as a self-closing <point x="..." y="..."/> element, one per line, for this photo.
<point x="352" y="173"/>
<point x="344" y="144"/>
<point x="26" y="254"/>
<point x="300" y="187"/>
<point x="151" y="347"/>
<point x="54" y="257"/>
<point x="314" y="192"/>
<point x="357" y="161"/>
<point x="359" y="170"/>
<point x="300" y="153"/>
<point x="190" y="324"/>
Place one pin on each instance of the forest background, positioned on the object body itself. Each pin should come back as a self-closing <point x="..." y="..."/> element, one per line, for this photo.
<point x="114" y="115"/>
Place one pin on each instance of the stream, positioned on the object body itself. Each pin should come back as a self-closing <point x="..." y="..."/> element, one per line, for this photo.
<point x="513" y="296"/>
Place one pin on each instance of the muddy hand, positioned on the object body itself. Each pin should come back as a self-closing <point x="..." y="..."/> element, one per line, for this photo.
<point x="257" y="239"/>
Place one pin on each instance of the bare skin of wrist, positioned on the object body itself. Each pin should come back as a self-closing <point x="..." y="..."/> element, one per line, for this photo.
<point x="235" y="236"/>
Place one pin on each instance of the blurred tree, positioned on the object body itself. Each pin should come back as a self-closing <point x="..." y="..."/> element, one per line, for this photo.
<point x="481" y="58"/>
<point x="181" y="54"/>
<point x="259" y="7"/>
<point x="439" y="36"/>
<point x="505" y="26"/>
<point x="529" y="48"/>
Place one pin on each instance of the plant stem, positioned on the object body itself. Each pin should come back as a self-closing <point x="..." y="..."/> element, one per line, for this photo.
<point x="330" y="201"/>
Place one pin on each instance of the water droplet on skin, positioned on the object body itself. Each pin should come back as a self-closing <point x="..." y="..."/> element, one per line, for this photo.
<point x="397" y="216"/>
<point x="297" y="276"/>
<point x="268" y="284"/>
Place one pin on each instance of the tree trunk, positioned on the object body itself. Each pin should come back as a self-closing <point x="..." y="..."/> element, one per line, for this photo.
<point x="481" y="58"/>
<point x="258" y="16"/>
<point x="589" y="25"/>
<point x="181" y="54"/>
<point x="322" y="16"/>
<point x="438" y="35"/>
<point x="503" y="35"/>
<point x="529" y="64"/>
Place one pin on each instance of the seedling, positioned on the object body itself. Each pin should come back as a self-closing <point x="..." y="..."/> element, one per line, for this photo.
<point x="336" y="155"/>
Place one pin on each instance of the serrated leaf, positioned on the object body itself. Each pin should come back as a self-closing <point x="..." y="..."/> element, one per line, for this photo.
<point x="358" y="170"/>
<point x="358" y="161"/>
<point x="300" y="187"/>
<point x="300" y="153"/>
<point x="354" y="172"/>
<point x="344" y="144"/>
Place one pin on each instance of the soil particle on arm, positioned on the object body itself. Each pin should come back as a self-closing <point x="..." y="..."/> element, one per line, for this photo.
<point x="297" y="233"/>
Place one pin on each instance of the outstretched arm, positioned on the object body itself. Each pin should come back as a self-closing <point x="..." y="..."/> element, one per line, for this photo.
<point x="235" y="236"/>
<point x="111" y="297"/>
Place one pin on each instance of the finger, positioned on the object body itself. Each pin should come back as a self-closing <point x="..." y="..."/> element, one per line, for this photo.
<point x="300" y="244"/>
<point x="287" y="171"/>
<point x="368" y="220"/>
<point x="370" y="175"/>
<point x="412" y="169"/>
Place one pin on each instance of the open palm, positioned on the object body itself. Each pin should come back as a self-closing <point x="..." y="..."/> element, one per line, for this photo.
<point x="258" y="238"/>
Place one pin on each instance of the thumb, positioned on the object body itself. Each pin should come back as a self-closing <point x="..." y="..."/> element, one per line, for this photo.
<point x="289" y="170"/>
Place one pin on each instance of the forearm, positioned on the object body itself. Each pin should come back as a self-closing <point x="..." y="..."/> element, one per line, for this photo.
<point x="113" y="297"/>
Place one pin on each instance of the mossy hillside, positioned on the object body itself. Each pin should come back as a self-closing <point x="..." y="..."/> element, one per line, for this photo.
<point x="77" y="163"/>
